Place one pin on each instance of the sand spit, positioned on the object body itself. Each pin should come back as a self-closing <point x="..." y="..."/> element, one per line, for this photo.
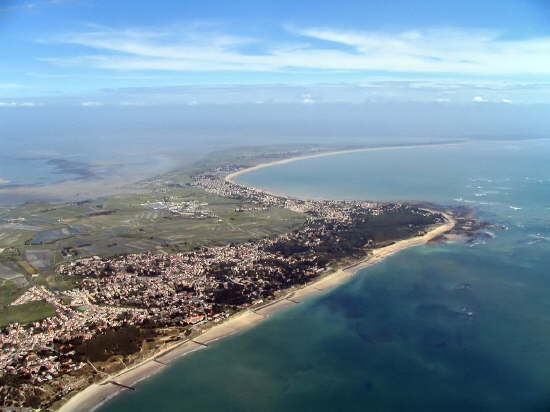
<point x="231" y="176"/>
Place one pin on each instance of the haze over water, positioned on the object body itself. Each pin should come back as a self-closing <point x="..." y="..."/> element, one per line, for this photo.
<point x="452" y="327"/>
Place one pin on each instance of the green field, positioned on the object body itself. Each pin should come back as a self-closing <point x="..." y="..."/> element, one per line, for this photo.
<point x="28" y="312"/>
<point x="129" y="227"/>
<point x="8" y="293"/>
<point x="36" y="237"/>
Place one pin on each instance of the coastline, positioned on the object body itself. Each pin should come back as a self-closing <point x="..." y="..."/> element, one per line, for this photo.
<point x="231" y="176"/>
<point x="96" y="394"/>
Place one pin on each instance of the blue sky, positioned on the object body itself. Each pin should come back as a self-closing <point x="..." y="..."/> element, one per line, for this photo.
<point x="98" y="52"/>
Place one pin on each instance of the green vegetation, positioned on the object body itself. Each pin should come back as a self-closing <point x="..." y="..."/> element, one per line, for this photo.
<point x="123" y="341"/>
<point x="36" y="237"/>
<point x="250" y="156"/>
<point x="8" y="293"/>
<point x="25" y="313"/>
<point x="396" y="225"/>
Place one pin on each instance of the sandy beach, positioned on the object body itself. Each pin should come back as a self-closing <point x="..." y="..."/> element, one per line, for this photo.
<point x="98" y="393"/>
<point x="231" y="176"/>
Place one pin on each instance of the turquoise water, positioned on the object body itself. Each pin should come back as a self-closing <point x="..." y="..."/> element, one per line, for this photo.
<point x="398" y="336"/>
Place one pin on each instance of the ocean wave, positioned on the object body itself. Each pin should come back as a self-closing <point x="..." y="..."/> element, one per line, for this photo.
<point x="481" y="179"/>
<point x="477" y="202"/>
<point x="538" y="238"/>
<point x="477" y="243"/>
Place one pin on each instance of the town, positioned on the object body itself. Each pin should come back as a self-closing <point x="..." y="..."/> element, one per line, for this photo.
<point x="149" y="292"/>
<point x="189" y="209"/>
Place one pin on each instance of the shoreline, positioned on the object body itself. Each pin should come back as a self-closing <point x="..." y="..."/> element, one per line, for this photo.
<point x="231" y="176"/>
<point x="97" y="394"/>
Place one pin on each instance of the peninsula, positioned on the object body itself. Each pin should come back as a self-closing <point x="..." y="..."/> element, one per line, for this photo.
<point x="126" y="316"/>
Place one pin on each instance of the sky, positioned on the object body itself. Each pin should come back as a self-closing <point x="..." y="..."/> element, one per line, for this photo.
<point x="93" y="53"/>
<point x="129" y="88"/>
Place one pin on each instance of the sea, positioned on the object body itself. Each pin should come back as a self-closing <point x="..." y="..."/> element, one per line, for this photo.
<point x="38" y="162"/>
<point x="449" y="327"/>
<point x="41" y="161"/>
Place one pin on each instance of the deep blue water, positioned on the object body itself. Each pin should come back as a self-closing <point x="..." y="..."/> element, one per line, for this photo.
<point x="398" y="336"/>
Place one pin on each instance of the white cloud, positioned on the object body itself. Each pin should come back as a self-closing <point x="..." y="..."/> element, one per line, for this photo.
<point x="307" y="99"/>
<point x="479" y="99"/>
<point x="91" y="104"/>
<point x="134" y="103"/>
<point x="18" y="104"/>
<point x="427" y="51"/>
<point x="29" y="5"/>
<point x="442" y="91"/>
